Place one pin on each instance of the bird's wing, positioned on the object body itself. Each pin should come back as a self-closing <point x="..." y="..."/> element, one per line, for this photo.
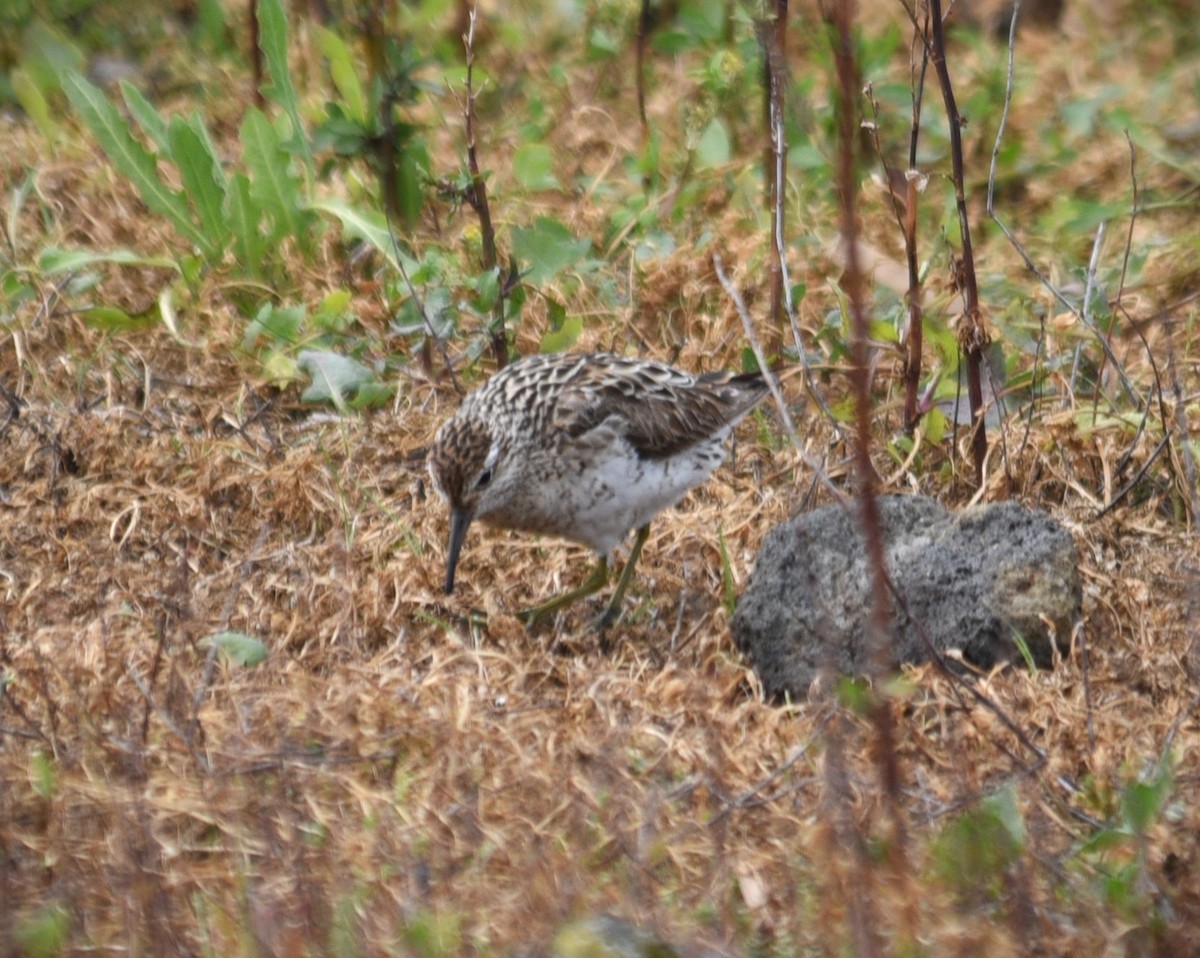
<point x="659" y="410"/>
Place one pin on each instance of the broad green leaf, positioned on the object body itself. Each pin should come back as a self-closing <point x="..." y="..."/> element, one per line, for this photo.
<point x="335" y="301"/>
<point x="55" y="260"/>
<point x="238" y="647"/>
<point x="561" y="339"/>
<point x="882" y="331"/>
<point x="411" y="176"/>
<point x="210" y="24"/>
<point x="1142" y="802"/>
<point x="1003" y="805"/>
<point x="197" y="123"/>
<point x="132" y="159"/>
<point x="33" y="102"/>
<point x="203" y="179"/>
<point x="336" y="379"/>
<point x="272" y="185"/>
<point x="369" y="226"/>
<point x="331" y="313"/>
<point x="935" y="425"/>
<point x="972" y="852"/>
<point x="713" y="148"/>
<point x="487" y="291"/>
<point x="533" y="166"/>
<point x="281" y="369"/>
<point x="548" y="248"/>
<point x="13" y="293"/>
<point x="148" y="118"/>
<point x="245" y="219"/>
<point x="372" y="395"/>
<point x="341" y="70"/>
<point x="280" y="324"/>
<point x="273" y="41"/>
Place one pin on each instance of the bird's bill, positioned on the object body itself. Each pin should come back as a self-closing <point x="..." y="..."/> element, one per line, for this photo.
<point x="459" y="520"/>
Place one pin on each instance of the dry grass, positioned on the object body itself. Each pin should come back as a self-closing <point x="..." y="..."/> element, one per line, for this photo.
<point x="392" y="780"/>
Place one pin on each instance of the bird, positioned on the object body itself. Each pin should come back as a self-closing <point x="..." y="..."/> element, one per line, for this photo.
<point x="586" y="447"/>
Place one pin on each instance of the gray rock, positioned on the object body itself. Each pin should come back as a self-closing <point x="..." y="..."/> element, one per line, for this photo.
<point x="975" y="581"/>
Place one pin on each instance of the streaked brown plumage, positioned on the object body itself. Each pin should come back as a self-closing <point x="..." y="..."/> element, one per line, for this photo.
<point x="583" y="446"/>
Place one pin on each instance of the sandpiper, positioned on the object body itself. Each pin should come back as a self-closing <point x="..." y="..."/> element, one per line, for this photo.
<point x="586" y="447"/>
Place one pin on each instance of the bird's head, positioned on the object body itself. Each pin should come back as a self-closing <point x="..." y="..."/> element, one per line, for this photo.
<point x="469" y="471"/>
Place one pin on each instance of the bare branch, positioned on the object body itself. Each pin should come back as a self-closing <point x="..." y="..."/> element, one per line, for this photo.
<point x="973" y="336"/>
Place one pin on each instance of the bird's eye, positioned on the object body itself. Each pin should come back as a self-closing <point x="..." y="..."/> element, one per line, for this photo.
<point x="484" y="478"/>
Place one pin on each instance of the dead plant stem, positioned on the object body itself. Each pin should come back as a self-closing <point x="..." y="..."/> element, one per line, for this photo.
<point x="973" y="336"/>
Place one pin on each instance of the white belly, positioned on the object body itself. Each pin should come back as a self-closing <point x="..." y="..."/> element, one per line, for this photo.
<point x="598" y="499"/>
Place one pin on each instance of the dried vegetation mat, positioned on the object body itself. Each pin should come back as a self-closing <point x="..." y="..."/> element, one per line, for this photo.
<point x="391" y="771"/>
<point x="393" y="778"/>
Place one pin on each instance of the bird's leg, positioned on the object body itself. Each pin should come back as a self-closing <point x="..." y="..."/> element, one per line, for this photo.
<point x="594" y="582"/>
<point x="614" y="607"/>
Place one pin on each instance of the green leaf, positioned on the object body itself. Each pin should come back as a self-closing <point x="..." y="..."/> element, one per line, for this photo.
<point x="43" y="775"/>
<point x="273" y="41"/>
<point x="533" y="166"/>
<point x="44" y="934"/>
<point x="332" y="309"/>
<point x="935" y="425"/>
<point x="281" y="369"/>
<point x="855" y="694"/>
<point x="245" y="219"/>
<point x="548" y="247"/>
<point x="272" y="184"/>
<point x="369" y="226"/>
<point x="55" y="260"/>
<point x="1003" y="807"/>
<point x="341" y="70"/>
<point x="487" y="291"/>
<point x="373" y="395"/>
<point x="132" y="159"/>
<point x="882" y="331"/>
<point x="115" y="320"/>
<point x="335" y="378"/>
<point x="48" y="56"/>
<point x="210" y="24"/>
<point x="13" y="293"/>
<point x="279" y="324"/>
<point x="437" y="934"/>
<point x="1106" y="840"/>
<point x="203" y="179"/>
<point x="727" y="582"/>
<point x="972" y="852"/>
<point x="238" y="647"/>
<point x="561" y="339"/>
<point x="1142" y="802"/>
<point x="410" y="181"/>
<point x="714" y="148"/>
<point x="33" y="102"/>
<point x="148" y="118"/>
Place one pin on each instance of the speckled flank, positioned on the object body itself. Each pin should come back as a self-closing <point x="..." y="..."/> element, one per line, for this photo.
<point x="587" y="447"/>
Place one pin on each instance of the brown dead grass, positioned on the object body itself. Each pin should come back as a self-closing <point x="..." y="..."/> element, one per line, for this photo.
<point x="391" y="769"/>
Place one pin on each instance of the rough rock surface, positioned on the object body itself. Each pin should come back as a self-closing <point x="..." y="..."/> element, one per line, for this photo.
<point x="974" y="581"/>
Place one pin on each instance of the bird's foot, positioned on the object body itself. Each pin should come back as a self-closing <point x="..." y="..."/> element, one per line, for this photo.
<point x="613" y="612"/>
<point x="531" y="618"/>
